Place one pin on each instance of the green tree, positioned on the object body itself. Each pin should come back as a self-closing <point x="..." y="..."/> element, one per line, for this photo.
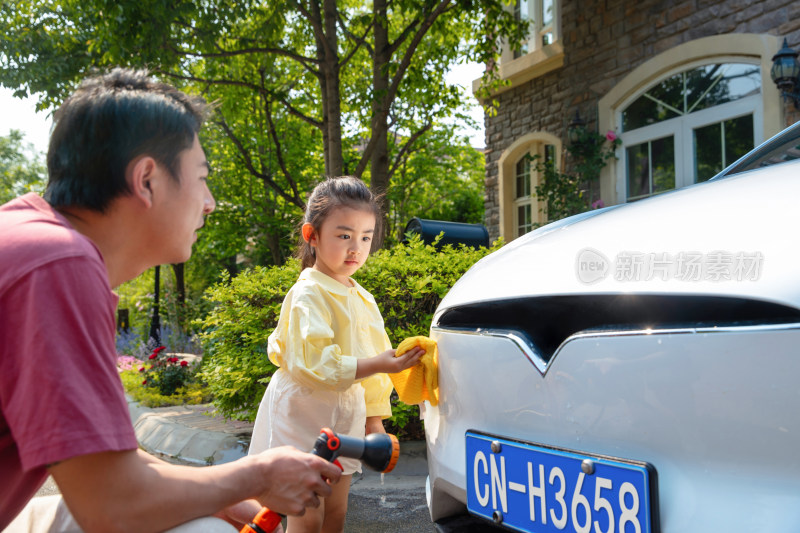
<point x="306" y="87"/>
<point x="444" y="181"/>
<point x="21" y="168"/>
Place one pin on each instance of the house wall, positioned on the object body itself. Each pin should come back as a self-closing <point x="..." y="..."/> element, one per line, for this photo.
<point x="603" y="44"/>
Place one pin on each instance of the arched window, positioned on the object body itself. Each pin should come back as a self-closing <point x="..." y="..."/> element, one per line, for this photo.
<point x="689" y="126"/>
<point x="520" y="209"/>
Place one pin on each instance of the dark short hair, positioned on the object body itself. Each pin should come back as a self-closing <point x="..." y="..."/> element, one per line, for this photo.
<point x="109" y="121"/>
<point x="344" y="191"/>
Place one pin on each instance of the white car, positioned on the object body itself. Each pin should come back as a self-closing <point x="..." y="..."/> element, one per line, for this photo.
<point x="631" y="369"/>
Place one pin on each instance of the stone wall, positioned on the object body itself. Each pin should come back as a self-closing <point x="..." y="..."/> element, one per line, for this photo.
<point x="603" y="41"/>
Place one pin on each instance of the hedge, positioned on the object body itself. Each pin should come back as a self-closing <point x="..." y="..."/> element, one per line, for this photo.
<point x="408" y="281"/>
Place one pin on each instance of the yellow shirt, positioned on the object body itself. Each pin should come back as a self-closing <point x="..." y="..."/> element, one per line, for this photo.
<point x="323" y="329"/>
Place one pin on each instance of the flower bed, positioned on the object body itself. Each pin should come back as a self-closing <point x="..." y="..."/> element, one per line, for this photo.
<point x="164" y="379"/>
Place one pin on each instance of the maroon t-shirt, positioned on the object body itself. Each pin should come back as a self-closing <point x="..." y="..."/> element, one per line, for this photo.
<point x="60" y="393"/>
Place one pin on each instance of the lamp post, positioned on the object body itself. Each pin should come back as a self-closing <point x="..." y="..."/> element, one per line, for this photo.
<point x="155" y="324"/>
<point x="785" y="71"/>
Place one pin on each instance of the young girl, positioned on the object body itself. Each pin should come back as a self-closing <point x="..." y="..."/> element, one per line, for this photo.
<point x="330" y="344"/>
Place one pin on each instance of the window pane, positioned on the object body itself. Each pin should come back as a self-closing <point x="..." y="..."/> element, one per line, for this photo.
<point x="662" y="102"/>
<point x="547" y="13"/>
<point x="718" y="145"/>
<point x="521" y="13"/>
<point x="692" y="90"/>
<point x="521" y="10"/>
<point x="718" y="84"/>
<point x="638" y="170"/>
<point x="707" y="151"/>
<point x="523" y="171"/>
<point x="738" y="138"/>
<point x="650" y="167"/>
<point x="524" y="223"/>
<point x="662" y="153"/>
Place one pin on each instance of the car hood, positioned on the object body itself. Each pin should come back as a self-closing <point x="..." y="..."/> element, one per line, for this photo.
<point x="741" y="230"/>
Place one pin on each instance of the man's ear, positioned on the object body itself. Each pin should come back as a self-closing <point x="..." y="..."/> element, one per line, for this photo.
<point x="308" y="232"/>
<point x="140" y="174"/>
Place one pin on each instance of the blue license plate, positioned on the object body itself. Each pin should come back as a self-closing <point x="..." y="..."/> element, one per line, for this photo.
<point x="537" y="489"/>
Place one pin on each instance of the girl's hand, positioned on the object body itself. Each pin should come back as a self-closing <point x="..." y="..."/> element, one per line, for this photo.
<point x="374" y="425"/>
<point x="387" y="363"/>
<point x="407" y="360"/>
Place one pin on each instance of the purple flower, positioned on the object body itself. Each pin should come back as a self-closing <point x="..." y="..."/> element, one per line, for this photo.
<point x="597" y="204"/>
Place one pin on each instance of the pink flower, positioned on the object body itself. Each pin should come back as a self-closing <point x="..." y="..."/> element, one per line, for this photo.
<point x="611" y="136"/>
<point x="184" y="363"/>
<point x="598" y="204"/>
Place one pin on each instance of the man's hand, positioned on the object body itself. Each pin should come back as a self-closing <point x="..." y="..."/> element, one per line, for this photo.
<point x="296" y="479"/>
<point x="134" y="491"/>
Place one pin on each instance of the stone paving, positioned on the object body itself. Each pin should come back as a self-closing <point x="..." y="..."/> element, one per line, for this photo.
<point x="202" y="417"/>
<point x="191" y="434"/>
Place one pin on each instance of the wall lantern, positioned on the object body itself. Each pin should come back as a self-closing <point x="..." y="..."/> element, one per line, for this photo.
<point x="576" y="128"/>
<point x="785" y="72"/>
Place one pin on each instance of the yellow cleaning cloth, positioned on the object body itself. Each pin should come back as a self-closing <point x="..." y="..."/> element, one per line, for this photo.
<point x="420" y="382"/>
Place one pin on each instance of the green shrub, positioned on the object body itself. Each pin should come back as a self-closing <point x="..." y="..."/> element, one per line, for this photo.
<point x="234" y="336"/>
<point x="408" y="282"/>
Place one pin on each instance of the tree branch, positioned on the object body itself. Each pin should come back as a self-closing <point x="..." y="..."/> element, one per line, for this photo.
<point x="316" y="23"/>
<point x="248" y="162"/>
<point x="303" y="60"/>
<point x="279" y="155"/>
<point x="442" y="7"/>
<point x="212" y="82"/>
<point x="260" y="90"/>
<point x="407" y="147"/>
<point x="359" y="41"/>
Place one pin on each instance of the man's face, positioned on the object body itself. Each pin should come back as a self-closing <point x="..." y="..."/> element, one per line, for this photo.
<point x="186" y="205"/>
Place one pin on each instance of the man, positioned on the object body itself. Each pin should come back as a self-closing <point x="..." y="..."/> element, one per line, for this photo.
<point x="127" y="190"/>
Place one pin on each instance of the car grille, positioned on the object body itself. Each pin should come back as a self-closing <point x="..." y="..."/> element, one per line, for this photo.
<point x="546" y="322"/>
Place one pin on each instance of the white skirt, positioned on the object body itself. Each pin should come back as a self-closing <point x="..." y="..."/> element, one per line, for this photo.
<point x="292" y="414"/>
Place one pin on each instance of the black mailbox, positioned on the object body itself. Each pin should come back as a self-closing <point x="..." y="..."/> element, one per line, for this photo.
<point x="474" y="235"/>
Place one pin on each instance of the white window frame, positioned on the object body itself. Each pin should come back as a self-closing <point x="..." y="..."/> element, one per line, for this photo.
<point x="681" y="128"/>
<point x="538" y="30"/>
